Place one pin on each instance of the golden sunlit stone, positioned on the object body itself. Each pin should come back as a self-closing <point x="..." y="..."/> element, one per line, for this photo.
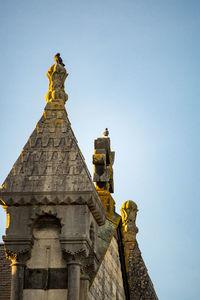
<point x="56" y="93"/>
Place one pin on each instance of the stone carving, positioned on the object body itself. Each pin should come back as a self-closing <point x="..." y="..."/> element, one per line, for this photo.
<point x="129" y="212"/>
<point x="57" y="75"/>
<point x="89" y="265"/>
<point x="18" y="250"/>
<point x="103" y="160"/>
<point x="77" y="252"/>
<point x="140" y="284"/>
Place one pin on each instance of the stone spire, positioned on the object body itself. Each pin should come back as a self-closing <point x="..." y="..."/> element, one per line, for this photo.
<point x="51" y="161"/>
<point x="49" y="188"/>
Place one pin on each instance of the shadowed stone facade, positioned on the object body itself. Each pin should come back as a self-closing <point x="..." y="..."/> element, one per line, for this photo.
<point x="63" y="238"/>
<point x="108" y="283"/>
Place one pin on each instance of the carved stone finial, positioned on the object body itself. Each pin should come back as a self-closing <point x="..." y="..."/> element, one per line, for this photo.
<point x="57" y="75"/>
<point x="129" y="212"/>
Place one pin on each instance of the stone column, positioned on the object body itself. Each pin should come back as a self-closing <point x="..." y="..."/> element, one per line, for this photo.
<point x="73" y="280"/>
<point x="17" y="281"/>
<point x="84" y="287"/>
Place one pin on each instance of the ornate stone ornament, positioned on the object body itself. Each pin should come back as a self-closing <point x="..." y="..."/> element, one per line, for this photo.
<point x="103" y="160"/>
<point x="129" y="212"/>
<point x="57" y="75"/>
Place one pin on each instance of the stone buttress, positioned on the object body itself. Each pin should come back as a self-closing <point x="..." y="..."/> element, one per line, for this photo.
<point x="53" y="209"/>
<point x="137" y="284"/>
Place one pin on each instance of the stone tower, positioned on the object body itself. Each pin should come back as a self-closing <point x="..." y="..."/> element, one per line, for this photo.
<point x="63" y="237"/>
<point x="53" y="209"/>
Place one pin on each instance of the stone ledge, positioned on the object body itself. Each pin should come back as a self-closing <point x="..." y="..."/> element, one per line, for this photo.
<point x="56" y="198"/>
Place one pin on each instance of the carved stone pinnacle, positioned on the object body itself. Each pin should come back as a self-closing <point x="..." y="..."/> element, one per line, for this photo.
<point x="129" y="212"/>
<point x="57" y="75"/>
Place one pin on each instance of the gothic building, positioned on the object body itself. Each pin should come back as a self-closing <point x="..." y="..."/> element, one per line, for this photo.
<point x="64" y="239"/>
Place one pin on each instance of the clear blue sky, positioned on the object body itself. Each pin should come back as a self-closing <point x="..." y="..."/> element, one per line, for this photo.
<point x="134" y="67"/>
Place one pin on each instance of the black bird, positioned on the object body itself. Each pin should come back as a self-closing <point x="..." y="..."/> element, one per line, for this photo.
<point x="58" y="59"/>
<point x="106" y="132"/>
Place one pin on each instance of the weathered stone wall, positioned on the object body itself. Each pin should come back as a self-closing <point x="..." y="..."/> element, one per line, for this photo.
<point x="5" y="275"/>
<point x="108" y="283"/>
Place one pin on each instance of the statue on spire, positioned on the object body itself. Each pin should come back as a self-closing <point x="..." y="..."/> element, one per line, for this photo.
<point x="57" y="75"/>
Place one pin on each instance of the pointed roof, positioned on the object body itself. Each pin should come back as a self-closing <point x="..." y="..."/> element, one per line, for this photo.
<point x="51" y="168"/>
<point x="51" y="160"/>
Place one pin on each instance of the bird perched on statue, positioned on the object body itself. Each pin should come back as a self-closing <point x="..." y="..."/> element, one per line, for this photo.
<point x="106" y="132"/>
<point x="58" y="59"/>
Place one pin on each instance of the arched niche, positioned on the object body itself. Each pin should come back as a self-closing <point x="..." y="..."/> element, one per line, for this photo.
<point x="46" y="251"/>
